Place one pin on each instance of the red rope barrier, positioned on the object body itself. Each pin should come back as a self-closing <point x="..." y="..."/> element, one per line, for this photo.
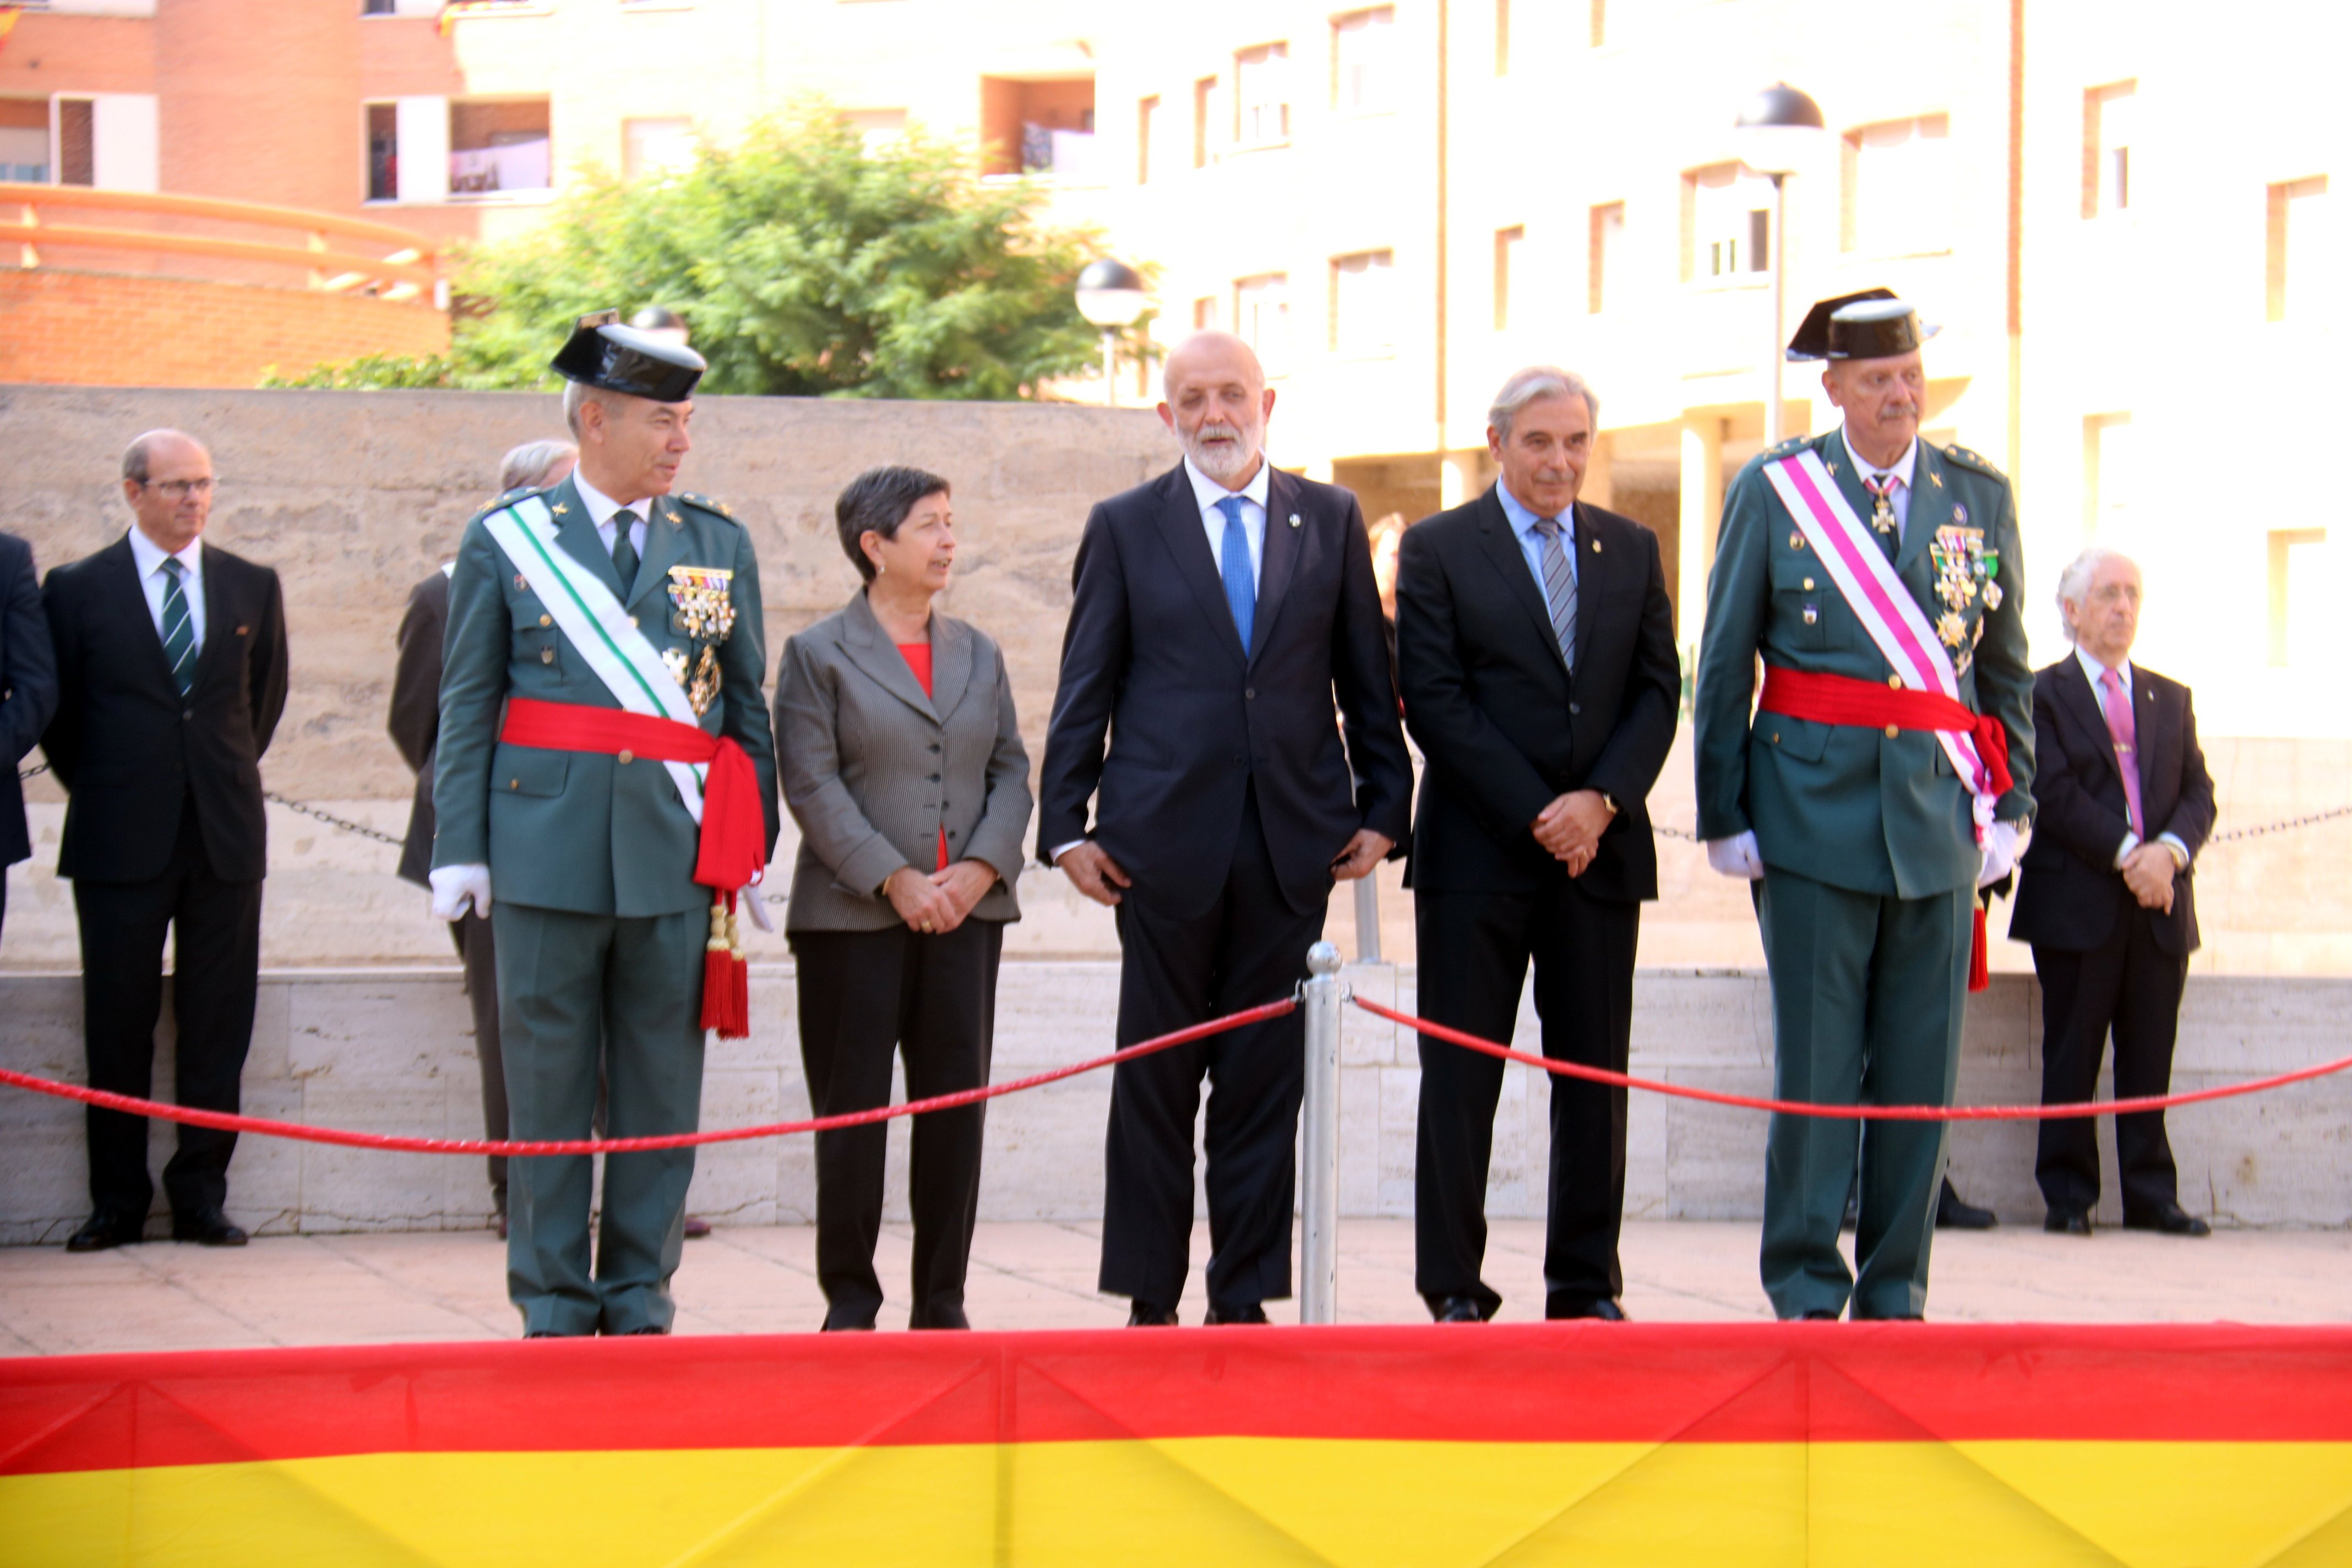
<point x="228" y="1123"/>
<point x="1854" y="1112"/>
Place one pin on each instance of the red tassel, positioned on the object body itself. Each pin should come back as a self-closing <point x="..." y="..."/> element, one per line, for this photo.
<point x="1979" y="956"/>
<point x="726" y="977"/>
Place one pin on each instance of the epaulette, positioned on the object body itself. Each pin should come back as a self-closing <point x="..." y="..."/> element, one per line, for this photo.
<point x="1790" y="444"/>
<point x="705" y="503"/>
<point x="520" y="492"/>
<point x="1968" y="460"/>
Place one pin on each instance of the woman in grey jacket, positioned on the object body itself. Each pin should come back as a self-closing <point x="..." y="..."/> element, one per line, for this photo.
<point x="900" y="758"/>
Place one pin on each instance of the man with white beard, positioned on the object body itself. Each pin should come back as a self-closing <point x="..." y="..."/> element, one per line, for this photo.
<point x="1217" y="612"/>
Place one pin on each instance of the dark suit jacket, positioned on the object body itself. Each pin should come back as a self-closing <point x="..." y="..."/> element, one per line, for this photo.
<point x="1503" y="726"/>
<point x="29" y="686"/>
<point x="1152" y="656"/>
<point x="414" y="721"/>
<point x="2070" y="895"/>
<point x="129" y="748"/>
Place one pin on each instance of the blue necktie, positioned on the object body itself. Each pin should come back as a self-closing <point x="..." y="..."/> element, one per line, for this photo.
<point x="179" y="628"/>
<point x="1241" y="583"/>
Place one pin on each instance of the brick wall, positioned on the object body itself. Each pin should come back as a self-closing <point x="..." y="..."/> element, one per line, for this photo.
<point x="107" y="329"/>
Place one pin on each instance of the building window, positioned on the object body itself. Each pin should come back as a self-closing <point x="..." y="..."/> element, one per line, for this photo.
<point x="1204" y="314"/>
<point x="25" y="141"/>
<point x="499" y="148"/>
<point x="666" y="146"/>
<point x="1147" y="138"/>
<point x="1727" y="222"/>
<point x="1501" y="38"/>
<point x="1205" y="116"/>
<point x="2298" y="246"/>
<point x="2306" y="606"/>
<point x="1262" y="318"/>
<point x="77" y="142"/>
<point x="379" y="7"/>
<point x="1507" y="243"/>
<point x="383" y="151"/>
<point x="1038" y="127"/>
<point x="1363" y="304"/>
<point x="1898" y="187"/>
<point x="2108" y="114"/>
<point x="2107" y="471"/>
<point x="1606" y="251"/>
<point x="1362" y="72"/>
<point x="1262" y="96"/>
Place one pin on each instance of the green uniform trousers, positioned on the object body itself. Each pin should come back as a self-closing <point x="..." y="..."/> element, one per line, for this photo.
<point x="573" y="988"/>
<point x="1868" y="994"/>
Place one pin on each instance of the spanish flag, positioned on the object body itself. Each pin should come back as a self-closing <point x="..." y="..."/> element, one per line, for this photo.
<point x="1656" y="1445"/>
<point x="9" y="15"/>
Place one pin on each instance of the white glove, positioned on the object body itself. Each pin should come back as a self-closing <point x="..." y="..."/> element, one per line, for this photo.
<point x="455" y="887"/>
<point x="1736" y="856"/>
<point x="1999" y="853"/>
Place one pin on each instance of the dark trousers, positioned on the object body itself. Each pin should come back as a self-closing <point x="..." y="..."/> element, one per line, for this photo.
<point x="1476" y="947"/>
<point x="933" y="998"/>
<point x="216" y="930"/>
<point x="478" y="946"/>
<point x="2131" y="985"/>
<point x="1248" y="947"/>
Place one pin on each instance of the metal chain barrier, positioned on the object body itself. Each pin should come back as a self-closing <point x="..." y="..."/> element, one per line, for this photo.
<point x="2234" y="836"/>
<point x="315" y="814"/>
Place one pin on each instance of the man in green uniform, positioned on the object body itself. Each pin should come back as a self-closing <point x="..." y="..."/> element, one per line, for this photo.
<point x="604" y="660"/>
<point x="1879" y="579"/>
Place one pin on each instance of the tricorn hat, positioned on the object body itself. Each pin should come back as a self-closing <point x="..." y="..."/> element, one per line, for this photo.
<point x="1873" y="324"/>
<point x="603" y="352"/>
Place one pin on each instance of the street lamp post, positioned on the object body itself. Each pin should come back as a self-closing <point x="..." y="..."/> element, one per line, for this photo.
<point x="1112" y="296"/>
<point x="1774" y="133"/>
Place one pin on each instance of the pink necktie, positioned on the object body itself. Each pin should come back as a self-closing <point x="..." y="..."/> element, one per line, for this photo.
<point x="2125" y="733"/>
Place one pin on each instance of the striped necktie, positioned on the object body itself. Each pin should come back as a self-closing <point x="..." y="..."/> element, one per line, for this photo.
<point x="1559" y="587"/>
<point x="179" y="628"/>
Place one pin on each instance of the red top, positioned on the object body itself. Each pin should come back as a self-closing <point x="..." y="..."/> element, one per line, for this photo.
<point x="917" y="656"/>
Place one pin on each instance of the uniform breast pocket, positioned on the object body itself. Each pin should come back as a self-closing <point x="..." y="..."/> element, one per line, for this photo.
<point x="1799" y="738"/>
<point x="529" y="771"/>
<point x="1802" y="614"/>
<point x="539" y="647"/>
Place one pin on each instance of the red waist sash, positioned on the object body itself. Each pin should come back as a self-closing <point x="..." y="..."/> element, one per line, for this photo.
<point x="732" y="848"/>
<point x="1841" y="700"/>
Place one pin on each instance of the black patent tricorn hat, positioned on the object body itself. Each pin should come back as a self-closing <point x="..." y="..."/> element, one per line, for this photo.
<point x="603" y="352"/>
<point x="1873" y="324"/>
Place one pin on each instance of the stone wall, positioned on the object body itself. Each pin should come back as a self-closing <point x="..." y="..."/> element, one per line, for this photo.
<point x="390" y="1051"/>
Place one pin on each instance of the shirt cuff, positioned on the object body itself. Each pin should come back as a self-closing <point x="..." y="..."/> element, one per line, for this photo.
<point x="2124" y="851"/>
<point x="2172" y="841"/>
<point x="1055" y="859"/>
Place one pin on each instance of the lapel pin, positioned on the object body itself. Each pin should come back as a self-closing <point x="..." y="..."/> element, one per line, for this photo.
<point x="1596" y="547"/>
<point x="521" y="586"/>
<point x="244" y="631"/>
<point x="1294" y="520"/>
<point x="561" y="510"/>
<point x="1935" y="478"/>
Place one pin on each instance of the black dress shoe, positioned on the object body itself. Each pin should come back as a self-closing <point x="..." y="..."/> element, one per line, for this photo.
<point x="1951" y="1213"/>
<point x="1820" y="1315"/>
<point x="1144" y="1315"/>
<point x="845" y="1320"/>
<point x="1605" y="1310"/>
<point x="212" y="1229"/>
<point x="696" y="1227"/>
<point x="2067" y="1221"/>
<point x="1457" y="1310"/>
<point x="642" y="1329"/>
<point x="1253" y="1313"/>
<point x="944" y="1316"/>
<point x="2171" y="1220"/>
<point x="101" y="1231"/>
<point x="498" y="1223"/>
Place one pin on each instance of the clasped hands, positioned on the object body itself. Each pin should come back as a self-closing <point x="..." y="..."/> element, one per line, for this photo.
<point x="1570" y="829"/>
<point x="936" y="904"/>
<point x="1093" y="872"/>
<point x="2149" y="871"/>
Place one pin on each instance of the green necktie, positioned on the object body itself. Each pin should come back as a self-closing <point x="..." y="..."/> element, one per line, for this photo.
<point x="179" y="630"/>
<point x="624" y="554"/>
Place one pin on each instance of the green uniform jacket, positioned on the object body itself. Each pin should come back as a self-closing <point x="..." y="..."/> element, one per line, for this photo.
<point x="1840" y="804"/>
<point x="575" y="830"/>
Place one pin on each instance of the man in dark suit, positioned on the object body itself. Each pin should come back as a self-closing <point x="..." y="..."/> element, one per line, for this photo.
<point x="29" y="693"/>
<point x="1536" y="645"/>
<point x="1217" y="610"/>
<point x="2122" y="805"/>
<point x="172" y="675"/>
<point x="414" y="725"/>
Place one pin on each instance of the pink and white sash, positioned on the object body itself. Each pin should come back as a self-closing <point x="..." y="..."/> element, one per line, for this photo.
<point x="1867" y="580"/>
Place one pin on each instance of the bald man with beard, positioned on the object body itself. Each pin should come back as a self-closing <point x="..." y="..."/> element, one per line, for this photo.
<point x="1220" y="613"/>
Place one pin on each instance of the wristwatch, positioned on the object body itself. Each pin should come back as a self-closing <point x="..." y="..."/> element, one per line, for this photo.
<point x="1611" y="801"/>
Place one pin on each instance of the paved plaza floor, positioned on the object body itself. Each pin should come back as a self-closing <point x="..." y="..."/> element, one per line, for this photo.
<point x="345" y="1290"/>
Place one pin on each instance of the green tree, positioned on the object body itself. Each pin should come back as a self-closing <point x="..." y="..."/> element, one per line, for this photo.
<point x="805" y="262"/>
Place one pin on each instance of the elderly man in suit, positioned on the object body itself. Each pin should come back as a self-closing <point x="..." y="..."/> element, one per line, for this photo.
<point x="1869" y="791"/>
<point x="415" y="724"/>
<point x="1536" y="645"/>
<point x="29" y="694"/>
<point x="172" y="675"/>
<point x="1219" y="613"/>
<point x="603" y="770"/>
<point x="2122" y="805"/>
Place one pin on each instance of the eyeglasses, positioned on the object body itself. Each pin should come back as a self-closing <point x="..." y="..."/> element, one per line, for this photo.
<point x="180" y="490"/>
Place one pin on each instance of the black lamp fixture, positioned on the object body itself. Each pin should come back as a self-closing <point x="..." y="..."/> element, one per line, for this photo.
<point x="1775" y="133"/>
<point x="1111" y="295"/>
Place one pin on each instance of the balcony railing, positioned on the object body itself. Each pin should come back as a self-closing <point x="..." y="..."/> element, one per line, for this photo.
<point x="339" y="254"/>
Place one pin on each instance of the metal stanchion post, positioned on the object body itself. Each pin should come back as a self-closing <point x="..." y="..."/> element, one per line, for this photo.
<point x="1319" y="1264"/>
<point x="1368" y="918"/>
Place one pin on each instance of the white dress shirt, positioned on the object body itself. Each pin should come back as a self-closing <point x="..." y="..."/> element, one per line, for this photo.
<point x="150" y="557"/>
<point x="601" y="507"/>
<point x="2094" y="671"/>
<point x="1207" y="492"/>
<point x="1903" y="469"/>
<point x="1531" y="544"/>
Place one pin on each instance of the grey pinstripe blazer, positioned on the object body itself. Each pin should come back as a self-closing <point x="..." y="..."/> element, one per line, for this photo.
<point x="871" y="768"/>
